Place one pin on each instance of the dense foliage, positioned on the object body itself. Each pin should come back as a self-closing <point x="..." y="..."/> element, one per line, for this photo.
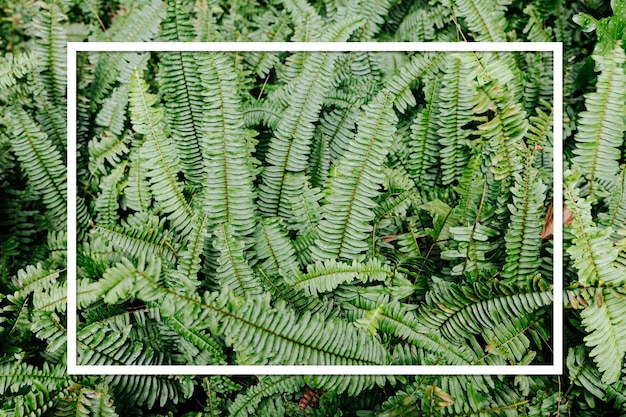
<point x="312" y="208"/>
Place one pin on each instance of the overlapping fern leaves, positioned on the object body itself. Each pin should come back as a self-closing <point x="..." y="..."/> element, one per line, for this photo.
<point x="274" y="278"/>
<point x="311" y="208"/>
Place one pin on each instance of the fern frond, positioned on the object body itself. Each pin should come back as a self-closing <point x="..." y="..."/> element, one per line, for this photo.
<point x="583" y="372"/>
<point x="106" y="148"/>
<point x="424" y="143"/>
<point x="417" y="26"/>
<point x="536" y="29"/>
<point x="373" y="13"/>
<point x="42" y="162"/>
<point x="473" y="249"/>
<point x="459" y="311"/>
<point x="504" y="132"/>
<point x="455" y="112"/>
<point x="540" y="138"/>
<point x="137" y="192"/>
<point x="615" y="218"/>
<point x="290" y="146"/>
<point x="17" y="374"/>
<point x="160" y="154"/>
<point x="319" y="162"/>
<point x="267" y="112"/>
<point x="182" y="90"/>
<point x="601" y="126"/>
<point x="296" y="299"/>
<point x="119" y="282"/>
<point x="37" y="401"/>
<point x="233" y="270"/>
<point x="201" y="348"/>
<point x="523" y="237"/>
<point x="50" y="51"/>
<point x="34" y="278"/>
<point x="141" y="233"/>
<point x="189" y="261"/>
<point x="86" y="402"/>
<point x="338" y="125"/>
<point x="52" y="298"/>
<point x="246" y="403"/>
<point x="485" y="22"/>
<point x="305" y="208"/>
<point x="420" y="67"/>
<point x="13" y="67"/>
<point x="228" y="193"/>
<point x="107" y="203"/>
<point x="538" y="82"/>
<point x="261" y="333"/>
<point x="605" y="322"/>
<point x="112" y="116"/>
<point x="352" y="385"/>
<point x="345" y="220"/>
<point x="326" y="276"/>
<point x="592" y="251"/>
<point x="139" y="24"/>
<point x="400" y="321"/>
<point x="273" y="247"/>
<point x="47" y="327"/>
<point x="150" y="390"/>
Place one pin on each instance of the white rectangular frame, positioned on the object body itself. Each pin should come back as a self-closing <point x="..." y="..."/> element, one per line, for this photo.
<point x="557" y="307"/>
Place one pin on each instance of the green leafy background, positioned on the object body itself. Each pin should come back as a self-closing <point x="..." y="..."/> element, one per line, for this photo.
<point x="396" y="200"/>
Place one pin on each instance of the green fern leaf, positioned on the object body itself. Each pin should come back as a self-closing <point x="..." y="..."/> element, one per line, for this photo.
<point x="34" y="278"/>
<point x="290" y="146"/>
<point x="296" y="299"/>
<point x="137" y="191"/>
<point x="592" y="251"/>
<point x="485" y="21"/>
<point x="615" y="218"/>
<point x="337" y="126"/>
<point x="160" y="154"/>
<point x="424" y="140"/>
<point x="261" y="63"/>
<point x="397" y="319"/>
<point x="50" y="51"/>
<point x="13" y="67"/>
<point x="246" y="403"/>
<point x="523" y="238"/>
<point x="106" y="148"/>
<point x="328" y="275"/>
<point x="200" y="348"/>
<point x="120" y="282"/>
<point x="274" y="247"/>
<point x="182" y="89"/>
<point x="373" y="13"/>
<point x="141" y="234"/>
<point x="107" y="203"/>
<point x="345" y="221"/>
<point x="284" y="338"/>
<point x="139" y="24"/>
<point x="233" y="271"/>
<point x="455" y="112"/>
<point x="189" y="259"/>
<point x="420" y="67"/>
<point x="17" y="374"/>
<point x="605" y="323"/>
<point x="601" y="127"/>
<point x="223" y="144"/>
<point x="42" y="162"/>
<point x="458" y="311"/>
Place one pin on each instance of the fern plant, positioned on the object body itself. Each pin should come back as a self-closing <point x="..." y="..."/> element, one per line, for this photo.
<point x="311" y="208"/>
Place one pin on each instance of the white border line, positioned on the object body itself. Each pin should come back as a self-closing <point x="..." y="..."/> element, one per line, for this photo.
<point x="555" y="47"/>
